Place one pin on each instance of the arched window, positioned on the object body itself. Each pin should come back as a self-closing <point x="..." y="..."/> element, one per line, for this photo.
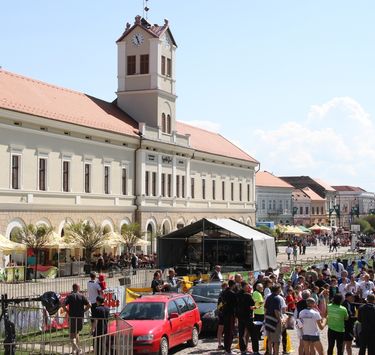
<point x="163" y="123"/>
<point x="169" y="128"/>
<point x="149" y="238"/>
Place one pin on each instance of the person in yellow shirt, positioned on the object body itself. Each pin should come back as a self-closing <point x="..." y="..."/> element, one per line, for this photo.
<point x="259" y="309"/>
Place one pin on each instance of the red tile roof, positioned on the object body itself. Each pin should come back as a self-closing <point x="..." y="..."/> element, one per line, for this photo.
<point x="323" y="184"/>
<point x="312" y="194"/>
<point x="266" y="179"/>
<point x="210" y="142"/>
<point x="348" y="188"/>
<point x="22" y="94"/>
<point x="153" y="30"/>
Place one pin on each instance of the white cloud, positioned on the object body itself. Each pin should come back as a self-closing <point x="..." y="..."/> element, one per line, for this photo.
<point x="335" y="142"/>
<point x="208" y="125"/>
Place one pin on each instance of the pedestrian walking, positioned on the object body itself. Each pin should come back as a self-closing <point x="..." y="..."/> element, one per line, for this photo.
<point x="134" y="263"/>
<point x="75" y="305"/>
<point x="366" y="316"/>
<point x="289" y="251"/>
<point x="93" y="290"/>
<point x="100" y="327"/>
<point x="229" y="299"/>
<point x="259" y="310"/>
<point x="295" y="253"/>
<point x="216" y="274"/>
<point x="336" y="317"/>
<point x="220" y="325"/>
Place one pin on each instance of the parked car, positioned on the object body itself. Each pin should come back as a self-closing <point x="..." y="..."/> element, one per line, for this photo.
<point x="206" y="296"/>
<point x="162" y="321"/>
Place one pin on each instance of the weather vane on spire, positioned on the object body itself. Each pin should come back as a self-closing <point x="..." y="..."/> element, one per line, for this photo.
<point x="145" y="9"/>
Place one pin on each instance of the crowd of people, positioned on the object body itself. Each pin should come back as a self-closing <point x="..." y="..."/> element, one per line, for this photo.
<point x="337" y="296"/>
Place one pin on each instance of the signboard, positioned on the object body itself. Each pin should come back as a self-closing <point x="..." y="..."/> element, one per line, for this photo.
<point x="355" y="228"/>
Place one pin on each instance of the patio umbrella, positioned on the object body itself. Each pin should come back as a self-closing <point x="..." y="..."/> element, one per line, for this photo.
<point x="315" y="227"/>
<point x="142" y="243"/>
<point x="304" y="229"/>
<point x="296" y="231"/>
<point x="112" y="240"/>
<point x="54" y="241"/>
<point x="7" y="246"/>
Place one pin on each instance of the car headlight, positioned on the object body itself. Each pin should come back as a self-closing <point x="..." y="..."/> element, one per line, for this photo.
<point x="148" y="337"/>
<point x="210" y="314"/>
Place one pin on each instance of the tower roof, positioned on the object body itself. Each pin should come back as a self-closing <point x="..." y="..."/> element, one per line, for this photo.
<point x="154" y="30"/>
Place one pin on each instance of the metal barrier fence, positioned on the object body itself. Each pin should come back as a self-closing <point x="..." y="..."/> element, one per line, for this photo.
<point x="350" y="255"/>
<point x="102" y="337"/>
<point x="138" y="278"/>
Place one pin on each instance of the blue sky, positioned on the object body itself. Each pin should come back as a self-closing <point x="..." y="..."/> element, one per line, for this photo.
<point x="290" y="82"/>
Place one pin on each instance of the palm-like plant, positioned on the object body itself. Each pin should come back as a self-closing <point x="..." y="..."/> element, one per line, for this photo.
<point x="131" y="233"/>
<point x="35" y="237"/>
<point x="86" y="236"/>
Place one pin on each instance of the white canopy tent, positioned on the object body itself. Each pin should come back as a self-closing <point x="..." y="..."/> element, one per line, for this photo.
<point x="209" y="235"/>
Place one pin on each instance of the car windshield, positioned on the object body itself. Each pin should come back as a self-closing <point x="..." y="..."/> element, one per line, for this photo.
<point x="143" y="311"/>
<point x="207" y="293"/>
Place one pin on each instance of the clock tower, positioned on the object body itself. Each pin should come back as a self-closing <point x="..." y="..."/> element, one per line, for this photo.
<point x="146" y="74"/>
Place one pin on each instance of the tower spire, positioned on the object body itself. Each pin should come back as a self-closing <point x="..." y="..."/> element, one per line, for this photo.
<point x="146" y="9"/>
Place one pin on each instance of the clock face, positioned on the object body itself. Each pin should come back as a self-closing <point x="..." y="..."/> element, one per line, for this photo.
<point x="138" y="39"/>
<point x="166" y="41"/>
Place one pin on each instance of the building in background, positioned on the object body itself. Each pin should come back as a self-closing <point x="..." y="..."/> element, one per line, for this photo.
<point x="354" y="202"/>
<point x="318" y="213"/>
<point x="301" y="208"/>
<point x="67" y="156"/>
<point x="322" y="189"/>
<point x="274" y="199"/>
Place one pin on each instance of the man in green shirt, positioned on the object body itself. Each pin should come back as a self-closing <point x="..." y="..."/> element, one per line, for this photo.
<point x="336" y="317"/>
<point x="259" y="310"/>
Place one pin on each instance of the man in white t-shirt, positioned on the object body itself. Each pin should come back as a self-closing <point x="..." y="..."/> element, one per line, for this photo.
<point x="366" y="287"/>
<point x="93" y="290"/>
<point x="311" y="323"/>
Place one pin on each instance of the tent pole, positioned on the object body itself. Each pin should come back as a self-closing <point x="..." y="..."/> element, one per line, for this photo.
<point x="203" y="244"/>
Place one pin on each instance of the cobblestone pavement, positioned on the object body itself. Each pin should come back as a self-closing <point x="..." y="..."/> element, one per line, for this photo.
<point x="208" y="345"/>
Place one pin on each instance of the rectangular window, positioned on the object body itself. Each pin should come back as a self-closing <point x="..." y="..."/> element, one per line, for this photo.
<point x="178" y="185"/>
<point x="87" y="177"/>
<point x="183" y="186"/>
<point x="203" y="189"/>
<point x="106" y="180"/>
<point x="124" y="178"/>
<point x="153" y="184"/>
<point x="192" y="188"/>
<point x="42" y="174"/>
<point x="313" y="210"/>
<point x="307" y="210"/>
<point x="240" y="192"/>
<point x="169" y="67"/>
<point x="169" y="185"/>
<point x="321" y="210"/>
<point x="301" y="210"/>
<point x="162" y="65"/>
<point x="274" y="205"/>
<point x="280" y="205"/>
<point x="213" y="189"/>
<point x="131" y="65"/>
<point x="248" y="192"/>
<point x="269" y="205"/>
<point x="232" y="191"/>
<point x="16" y="159"/>
<point x="66" y="182"/>
<point x="223" y="190"/>
<point x="144" y="64"/>
<point x="163" y="185"/>
<point x="147" y="183"/>
<point x="263" y="205"/>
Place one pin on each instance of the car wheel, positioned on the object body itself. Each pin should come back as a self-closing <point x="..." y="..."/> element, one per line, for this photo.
<point x="163" y="346"/>
<point x="194" y="337"/>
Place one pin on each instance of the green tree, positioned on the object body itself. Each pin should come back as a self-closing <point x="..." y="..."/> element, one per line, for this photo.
<point x="85" y="235"/>
<point x="366" y="227"/>
<point x="131" y="233"/>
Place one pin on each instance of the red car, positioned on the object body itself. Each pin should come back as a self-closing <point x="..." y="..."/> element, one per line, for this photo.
<point x="162" y="321"/>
